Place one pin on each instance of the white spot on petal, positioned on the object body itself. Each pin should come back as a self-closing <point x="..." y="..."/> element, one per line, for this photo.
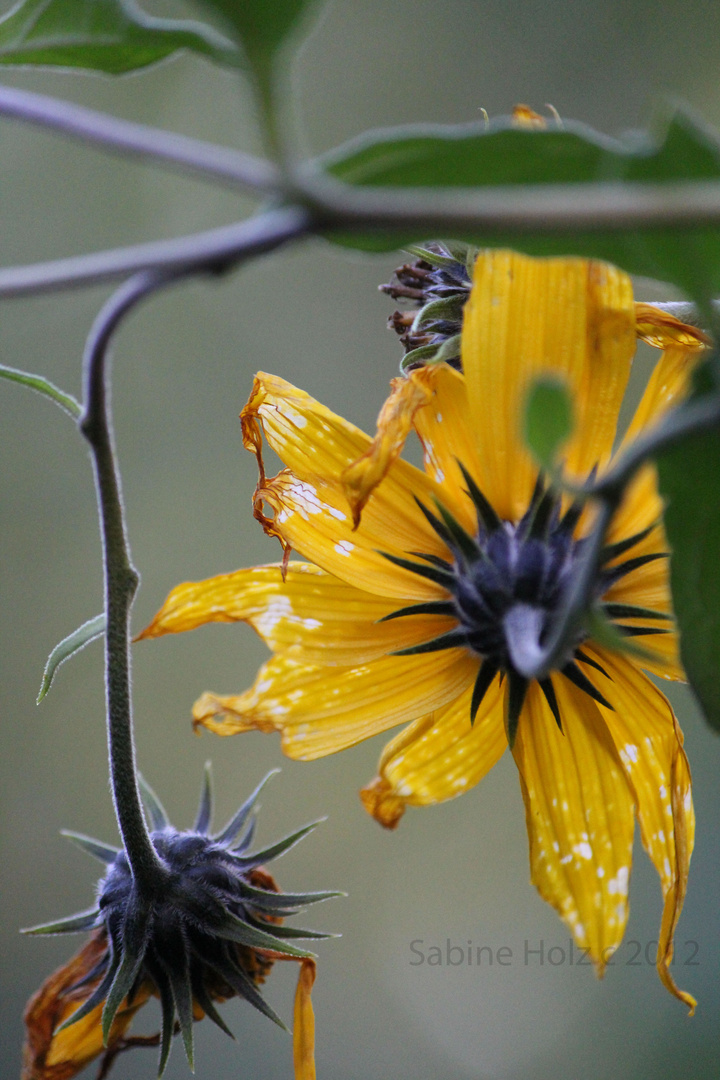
<point x="344" y="547"/>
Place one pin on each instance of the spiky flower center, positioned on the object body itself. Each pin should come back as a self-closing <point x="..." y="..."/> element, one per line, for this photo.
<point x="506" y="585"/>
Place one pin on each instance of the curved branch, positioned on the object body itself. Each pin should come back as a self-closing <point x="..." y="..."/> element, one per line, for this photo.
<point x="508" y="209"/>
<point x="207" y="160"/>
<point x="121" y="581"/>
<point x="213" y="251"/>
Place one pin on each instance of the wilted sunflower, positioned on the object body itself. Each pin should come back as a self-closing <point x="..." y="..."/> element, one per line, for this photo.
<point x="420" y="584"/>
<point x="212" y="932"/>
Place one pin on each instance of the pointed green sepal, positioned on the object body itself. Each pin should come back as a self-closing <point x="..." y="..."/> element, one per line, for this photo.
<point x="73" y="924"/>
<point x="204" y="814"/>
<point x="122" y="984"/>
<point x="234" y="929"/>
<point x="237" y="821"/>
<point x="104" y="853"/>
<point x="158" y="817"/>
<point x="275" y="850"/>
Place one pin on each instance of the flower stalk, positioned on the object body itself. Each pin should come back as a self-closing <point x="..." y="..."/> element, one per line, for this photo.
<point x="121" y="581"/>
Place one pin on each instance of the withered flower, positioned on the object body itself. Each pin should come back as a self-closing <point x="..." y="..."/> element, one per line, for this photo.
<point x="212" y="932"/>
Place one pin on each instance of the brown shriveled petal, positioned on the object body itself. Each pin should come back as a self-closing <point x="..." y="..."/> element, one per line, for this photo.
<point x="394" y="424"/>
<point x="60" y="1056"/>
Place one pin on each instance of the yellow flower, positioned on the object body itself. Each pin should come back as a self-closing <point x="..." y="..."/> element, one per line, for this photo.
<point x="421" y="582"/>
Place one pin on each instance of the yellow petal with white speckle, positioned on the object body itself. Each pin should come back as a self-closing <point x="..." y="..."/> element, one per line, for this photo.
<point x="320" y="710"/>
<point x="309" y="517"/>
<point x="438" y="757"/>
<point x="649" y="744"/>
<point x="317" y="446"/>
<point x="579" y="814"/>
<point x="309" y="615"/>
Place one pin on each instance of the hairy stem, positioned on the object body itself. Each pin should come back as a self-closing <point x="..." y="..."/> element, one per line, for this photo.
<point x="121" y="581"/>
<point x="206" y="160"/>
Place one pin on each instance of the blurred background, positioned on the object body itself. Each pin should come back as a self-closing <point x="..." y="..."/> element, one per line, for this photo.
<point x="183" y="369"/>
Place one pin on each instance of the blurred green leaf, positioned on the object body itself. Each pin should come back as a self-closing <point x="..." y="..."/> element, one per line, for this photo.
<point x="688" y="474"/>
<point x="473" y="155"/>
<point x="261" y="26"/>
<point x="43" y="386"/>
<point x="548" y="419"/>
<point x="79" y="638"/>
<point x="113" y="36"/>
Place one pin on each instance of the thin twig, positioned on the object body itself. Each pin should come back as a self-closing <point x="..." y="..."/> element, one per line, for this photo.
<point x="212" y="251"/>
<point x="327" y="207"/>
<point x="206" y="160"/>
<point x="510" y="209"/>
<point x="121" y="580"/>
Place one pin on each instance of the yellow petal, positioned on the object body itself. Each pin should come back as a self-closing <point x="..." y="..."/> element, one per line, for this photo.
<point x="649" y="743"/>
<point x="304" y="1023"/>
<point x="667" y="387"/>
<point x="662" y="330"/>
<point x="448" y="436"/>
<point x="310" y="518"/>
<point x="438" y="757"/>
<point x="579" y="816"/>
<point x="320" y="710"/>
<point x="394" y="424"/>
<point x="317" y="446"/>
<point x="646" y="586"/>
<point x="310" y="615"/>
<point x="527" y="317"/>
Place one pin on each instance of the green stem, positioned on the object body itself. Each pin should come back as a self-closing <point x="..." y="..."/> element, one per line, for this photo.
<point x="121" y="581"/>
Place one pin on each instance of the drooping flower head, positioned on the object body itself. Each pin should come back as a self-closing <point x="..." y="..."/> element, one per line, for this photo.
<point x="423" y="586"/>
<point x="213" y="932"/>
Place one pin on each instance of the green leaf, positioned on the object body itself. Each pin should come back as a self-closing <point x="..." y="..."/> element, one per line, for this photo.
<point x="43" y="386"/>
<point x="688" y="474"/>
<point x="476" y="156"/>
<point x="69" y="645"/>
<point x="548" y="419"/>
<point x="112" y="36"/>
<point x="261" y="25"/>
